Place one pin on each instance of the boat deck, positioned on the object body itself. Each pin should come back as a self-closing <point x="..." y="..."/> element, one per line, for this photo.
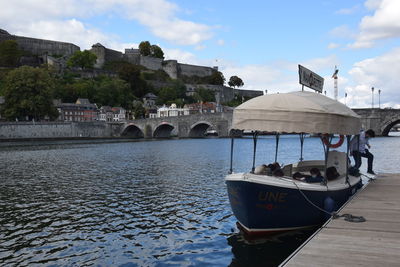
<point x="375" y="242"/>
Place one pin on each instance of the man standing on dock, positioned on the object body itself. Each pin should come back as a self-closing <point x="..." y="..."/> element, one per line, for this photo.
<point x="358" y="150"/>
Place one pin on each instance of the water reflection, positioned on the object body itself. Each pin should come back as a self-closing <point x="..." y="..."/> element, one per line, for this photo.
<point x="265" y="251"/>
<point x="137" y="203"/>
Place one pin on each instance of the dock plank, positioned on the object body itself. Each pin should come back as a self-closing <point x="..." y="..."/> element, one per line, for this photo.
<point x="375" y="242"/>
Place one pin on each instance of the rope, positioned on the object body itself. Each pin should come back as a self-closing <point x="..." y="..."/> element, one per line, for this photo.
<point x="309" y="201"/>
<point x="347" y="217"/>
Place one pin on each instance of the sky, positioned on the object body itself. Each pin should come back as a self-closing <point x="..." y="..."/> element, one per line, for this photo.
<point x="260" y="41"/>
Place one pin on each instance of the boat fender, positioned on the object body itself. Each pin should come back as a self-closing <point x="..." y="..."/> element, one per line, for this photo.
<point x="325" y="139"/>
<point x="329" y="205"/>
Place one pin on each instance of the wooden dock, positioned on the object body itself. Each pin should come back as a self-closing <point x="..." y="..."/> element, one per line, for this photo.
<point x="375" y="242"/>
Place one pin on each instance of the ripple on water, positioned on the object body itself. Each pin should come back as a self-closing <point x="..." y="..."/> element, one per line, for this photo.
<point x="128" y="204"/>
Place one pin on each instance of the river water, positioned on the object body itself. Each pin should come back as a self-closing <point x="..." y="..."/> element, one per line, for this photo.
<point x="148" y="203"/>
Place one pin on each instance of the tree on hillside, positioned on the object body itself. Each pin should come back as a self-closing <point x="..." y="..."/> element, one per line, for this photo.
<point x="132" y="74"/>
<point x="28" y="92"/>
<point x="113" y="92"/>
<point x="204" y="95"/>
<point x="9" y="53"/>
<point x="145" y="48"/>
<point x="235" y="81"/>
<point x="138" y="110"/>
<point x="171" y="94"/>
<point x="83" y="59"/>
<point x="157" y="52"/>
<point x="216" y="78"/>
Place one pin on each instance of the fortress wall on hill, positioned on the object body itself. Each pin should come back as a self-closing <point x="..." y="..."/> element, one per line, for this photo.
<point x="194" y="70"/>
<point x="41" y="46"/>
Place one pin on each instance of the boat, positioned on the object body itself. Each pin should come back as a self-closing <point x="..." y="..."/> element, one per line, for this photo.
<point x="264" y="203"/>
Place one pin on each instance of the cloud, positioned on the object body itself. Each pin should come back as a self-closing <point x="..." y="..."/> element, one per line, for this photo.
<point x="381" y="73"/>
<point x="181" y="56"/>
<point x="66" y="31"/>
<point x="159" y="16"/>
<point x="322" y="64"/>
<point x="278" y="76"/>
<point x="372" y="4"/>
<point x="343" y="31"/>
<point x="383" y="24"/>
<point x="348" y="11"/>
<point x="333" y="45"/>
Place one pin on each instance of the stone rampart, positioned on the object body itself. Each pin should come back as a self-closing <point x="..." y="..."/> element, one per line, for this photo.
<point x="171" y="68"/>
<point x="60" y="130"/>
<point x="152" y="63"/>
<point x="41" y="46"/>
<point x="194" y="70"/>
<point x="105" y="55"/>
<point x="132" y="56"/>
<point x="225" y="94"/>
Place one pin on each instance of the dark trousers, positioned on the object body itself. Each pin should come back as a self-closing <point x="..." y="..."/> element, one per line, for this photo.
<point x="357" y="159"/>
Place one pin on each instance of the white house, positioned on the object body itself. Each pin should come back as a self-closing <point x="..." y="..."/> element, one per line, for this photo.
<point x="119" y="114"/>
<point x="171" y="111"/>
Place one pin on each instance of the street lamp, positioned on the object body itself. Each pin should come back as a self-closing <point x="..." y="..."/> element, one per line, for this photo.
<point x="345" y="99"/>
<point x="379" y="97"/>
<point x="372" y="103"/>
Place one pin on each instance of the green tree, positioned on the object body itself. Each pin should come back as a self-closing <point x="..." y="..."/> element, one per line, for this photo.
<point x="157" y="52"/>
<point x="174" y="93"/>
<point x="9" y="53"/>
<point x="83" y="59"/>
<point x="132" y="74"/>
<point x="28" y="92"/>
<point x="204" y="95"/>
<point x="145" y="48"/>
<point x="216" y="78"/>
<point x="138" y="110"/>
<point x="235" y="81"/>
<point x="113" y="92"/>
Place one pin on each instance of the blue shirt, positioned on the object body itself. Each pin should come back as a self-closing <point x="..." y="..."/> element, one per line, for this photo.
<point x="361" y="144"/>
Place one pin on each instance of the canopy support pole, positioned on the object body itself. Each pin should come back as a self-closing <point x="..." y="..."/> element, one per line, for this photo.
<point x="301" y="145"/>
<point x="231" y="165"/>
<point x="276" y="147"/>
<point x="254" y="151"/>
<point x="348" y="137"/>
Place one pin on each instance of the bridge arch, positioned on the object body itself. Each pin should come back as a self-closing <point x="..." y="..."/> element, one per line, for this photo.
<point x="163" y="130"/>
<point x="387" y="126"/>
<point x="199" y="129"/>
<point x="132" y="130"/>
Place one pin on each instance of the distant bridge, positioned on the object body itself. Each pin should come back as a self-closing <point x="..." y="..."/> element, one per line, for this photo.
<point x="192" y="126"/>
<point x="379" y="120"/>
<point x="196" y="125"/>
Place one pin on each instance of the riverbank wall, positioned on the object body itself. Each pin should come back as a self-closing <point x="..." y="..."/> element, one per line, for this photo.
<point x="58" y="130"/>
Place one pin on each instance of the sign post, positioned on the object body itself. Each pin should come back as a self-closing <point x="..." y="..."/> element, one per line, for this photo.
<point x="310" y="79"/>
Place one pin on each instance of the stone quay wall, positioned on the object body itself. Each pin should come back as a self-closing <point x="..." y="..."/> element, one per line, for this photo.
<point x="58" y="130"/>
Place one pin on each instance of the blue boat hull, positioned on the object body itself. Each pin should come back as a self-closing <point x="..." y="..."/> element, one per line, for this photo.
<point x="269" y="208"/>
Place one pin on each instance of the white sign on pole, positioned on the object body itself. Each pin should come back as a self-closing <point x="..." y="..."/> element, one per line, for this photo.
<point x="310" y="79"/>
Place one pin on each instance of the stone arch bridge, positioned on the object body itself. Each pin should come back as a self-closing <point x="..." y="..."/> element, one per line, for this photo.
<point x="192" y="126"/>
<point x="379" y="120"/>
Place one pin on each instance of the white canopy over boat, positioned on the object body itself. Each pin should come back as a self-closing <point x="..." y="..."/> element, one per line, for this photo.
<point x="296" y="112"/>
